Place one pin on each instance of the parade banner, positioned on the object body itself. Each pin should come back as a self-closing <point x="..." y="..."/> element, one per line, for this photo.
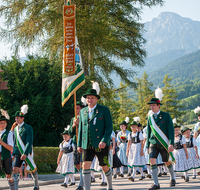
<point x="160" y="136"/>
<point x="72" y="74"/>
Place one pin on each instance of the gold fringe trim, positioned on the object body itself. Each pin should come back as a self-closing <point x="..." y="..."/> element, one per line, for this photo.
<point x="30" y="172"/>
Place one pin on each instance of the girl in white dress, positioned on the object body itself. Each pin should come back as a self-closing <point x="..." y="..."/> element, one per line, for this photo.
<point x="135" y="151"/>
<point x="65" y="158"/>
<point x="191" y="144"/>
<point x="180" y="152"/>
<point x="122" y="140"/>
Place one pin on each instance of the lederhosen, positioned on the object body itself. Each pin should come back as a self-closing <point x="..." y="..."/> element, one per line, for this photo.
<point x="178" y="144"/>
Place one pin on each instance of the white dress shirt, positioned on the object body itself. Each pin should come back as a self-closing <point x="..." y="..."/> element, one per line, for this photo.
<point x="91" y="110"/>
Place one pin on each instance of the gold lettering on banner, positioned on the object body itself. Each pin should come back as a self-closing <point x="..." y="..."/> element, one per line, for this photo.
<point x="69" y="39"/>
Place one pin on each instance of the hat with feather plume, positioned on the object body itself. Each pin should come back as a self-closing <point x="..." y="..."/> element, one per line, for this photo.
<point x="125" y="122"/>
<point x="4" y="115"/>
<point x="94" y="91"/>
<point x="66" y="131"/>
<point x="23" y="112"/>
<point x="197" y="111"/>
<point x="158" y="97"/>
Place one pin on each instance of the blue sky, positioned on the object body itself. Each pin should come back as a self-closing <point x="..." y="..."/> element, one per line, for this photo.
<point x="185" y="8"/>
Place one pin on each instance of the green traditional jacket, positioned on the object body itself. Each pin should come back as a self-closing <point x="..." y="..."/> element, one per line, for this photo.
<point x="72" y="131"/>
<point x="100" y="127"/>
<point x="164" y="122"/>
<point x="5" y="153"/>
<point x="26" y="134"/>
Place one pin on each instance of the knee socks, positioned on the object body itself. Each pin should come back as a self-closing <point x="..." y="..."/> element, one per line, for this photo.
<point x="171" y="171"/>
<point x="122" y="169"/>
<point x="109" y="179"/>
<point x="148" y="169"/>
<point x="134" y="172"/>
<point x="154" y="169"/>
<point x="87" y="179"/>
<point x="141" y="171"/>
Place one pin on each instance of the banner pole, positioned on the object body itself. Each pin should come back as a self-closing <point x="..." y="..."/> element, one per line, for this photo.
<point x="75" y="113"/>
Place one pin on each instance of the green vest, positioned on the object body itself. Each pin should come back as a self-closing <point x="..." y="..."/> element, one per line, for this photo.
<point x="5" y="153"/>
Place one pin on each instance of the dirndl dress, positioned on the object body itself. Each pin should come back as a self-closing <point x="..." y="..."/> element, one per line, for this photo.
<point x="193" y="161"/>
<point x="122" y="147"/>
<point x="145" y="148"/>
<point x="181" y="164"/>
<point x="134" y="157"/>
<point x="66" y="165"/>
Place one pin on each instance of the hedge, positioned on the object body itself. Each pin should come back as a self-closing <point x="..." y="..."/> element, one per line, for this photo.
<point x="46" y="159"/>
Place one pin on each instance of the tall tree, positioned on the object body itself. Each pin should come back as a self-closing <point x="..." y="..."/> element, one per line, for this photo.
<point x="144" y="95"/>
<point x="170" y="101"/>
<point x="108" y="30"/>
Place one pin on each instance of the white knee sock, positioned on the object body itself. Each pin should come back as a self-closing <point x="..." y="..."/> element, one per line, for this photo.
<point x="129" y="170"/>
<point x="114" y="171"/>
<point x="194" y="172"/>
<point x="148" y="169"/>
<point x="174" y="175"/>
<point x="122" y="169"/>
<point x="72" y="178"/>
<point x="134" y="171"/>
<point x="66" y="179"/>
<point x="103" y="178"/>
<point x="186" y="174"/>
<point x="160" y="169"/>
<point x="92" y="174"/>
<point x="141" y="171"/>
<point x="165" y="168"/>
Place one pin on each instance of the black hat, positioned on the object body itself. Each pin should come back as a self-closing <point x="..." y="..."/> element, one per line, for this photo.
<point x="185" y="129"/>
<point x="134" y="123"/>
<point x="92" y="92"/>
<point x="3" y="118"/>
<point x="154" y="101"/>
<point x="176" y="126"/>
<point x="123" y="123"/>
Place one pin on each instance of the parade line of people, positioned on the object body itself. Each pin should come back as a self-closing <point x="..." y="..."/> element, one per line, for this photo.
<point x="90" y="145"/>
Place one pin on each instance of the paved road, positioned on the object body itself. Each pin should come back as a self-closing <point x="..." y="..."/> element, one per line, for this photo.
<point x="125" y="184"/>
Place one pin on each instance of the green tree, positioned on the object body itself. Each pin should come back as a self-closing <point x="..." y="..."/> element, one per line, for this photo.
<point x="37" y="83"/>
<point x="108" y="30"/>
<point x="170" y="101"/>
<point x="144" y="95"/>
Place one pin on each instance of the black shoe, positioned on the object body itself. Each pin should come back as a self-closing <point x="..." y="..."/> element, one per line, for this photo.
<point x="172" y="183"/>
<point x="164" y="173"/>
<point x="115" y="176"/>
<point x="194" y="177"/>
<point x="142" y="177"/>
<point x="71" y="184"/>
<point x="121" y="175"/>
<point x="149" y="176"/>
<point x="137" y="173"/>
<point x="80" y="188"/>
<point x="92" y="180"/>
<point x="186" y="179"/>
<point x="128" y="175"/>
<point x="154" y="187"/>
<point x="64" y="185"/>
<point x="103" y="184"/>
<point x="145" y="171"/>
<point x="131" y="179"/>
<point x="36" y="188"/>
<point x="159" y="175"/>
<point x="183" y="177"/>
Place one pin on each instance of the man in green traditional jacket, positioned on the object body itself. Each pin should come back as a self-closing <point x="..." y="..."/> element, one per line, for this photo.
<point x="95" y="128"/>
<point x="164" y="122"/>
<point x="26" y="134"/>
<point x="72" y="131"/>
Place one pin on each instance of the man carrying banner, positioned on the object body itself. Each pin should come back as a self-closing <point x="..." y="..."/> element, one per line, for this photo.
<point x="23" y="146"/>
<point x="95" y="128"/>
<point x="160" y="139"/>
<point x="72" y="131"/>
